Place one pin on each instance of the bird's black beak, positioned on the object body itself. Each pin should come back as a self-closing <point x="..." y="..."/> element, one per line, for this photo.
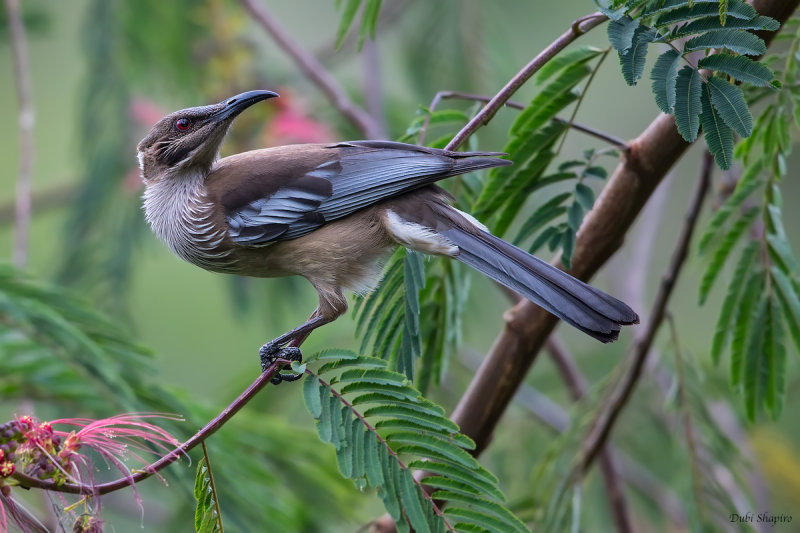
<point x="233" y="106"/>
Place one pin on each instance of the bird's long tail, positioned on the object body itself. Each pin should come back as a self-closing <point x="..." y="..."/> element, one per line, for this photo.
<point x="573" y="301"/>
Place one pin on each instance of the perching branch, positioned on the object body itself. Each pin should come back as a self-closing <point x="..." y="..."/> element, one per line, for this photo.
<point x="315" y="72"/>
<point x="209" y="429"/>
<point x="22" y="77"/>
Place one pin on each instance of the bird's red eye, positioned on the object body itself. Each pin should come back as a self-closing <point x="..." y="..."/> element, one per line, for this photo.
<point x="183" y="124"/>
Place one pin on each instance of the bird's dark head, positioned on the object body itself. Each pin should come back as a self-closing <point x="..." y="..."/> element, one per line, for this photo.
<point x="192" y="137"/>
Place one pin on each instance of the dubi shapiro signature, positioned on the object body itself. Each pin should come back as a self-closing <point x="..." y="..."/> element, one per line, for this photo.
<point x="761" y="518"/>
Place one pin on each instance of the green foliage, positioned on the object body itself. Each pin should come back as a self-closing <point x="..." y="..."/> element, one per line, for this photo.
<point x="740" y="42"/>
<point x="633" y="59"/>
<point x="54" y="346"/>
<point x="206" y="516"/>
<point x="383" y="430"/>
<point x="369" y="20"/>
<point x="708" y="447"/>
<point x="728" y="101"/>
<point x="692" y="97"/>
<point x="571" y="205"/>
<point x="738" y="67"/>
<point x="382" y="315"/>
<point x="717" y="131"/>
<point x="760" y="302"/>
<point x="533" y="137"/>
<point x="621" y="32"/>
<point x="57" y="351"/>
<point x="388" y="319"/>
<point x="664" y="76"/>
<point x="688" y="104"/>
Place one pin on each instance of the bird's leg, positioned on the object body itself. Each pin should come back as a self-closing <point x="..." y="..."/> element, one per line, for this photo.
<point x="275" y="349"/>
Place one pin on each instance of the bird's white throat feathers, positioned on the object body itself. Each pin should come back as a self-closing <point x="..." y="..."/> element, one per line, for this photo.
<point x="176" y="208"/>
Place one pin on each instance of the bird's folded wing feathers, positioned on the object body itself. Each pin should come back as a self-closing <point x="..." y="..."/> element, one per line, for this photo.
<point x="287" y="197"/>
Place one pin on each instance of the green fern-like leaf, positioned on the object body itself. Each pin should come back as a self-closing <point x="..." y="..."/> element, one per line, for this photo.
<point x="664" y="76"/>
<point x="705" y="24"/>
<point x="723" y="12"/>
<point x="534" y="153"/>
<point x="440" y="117"/>
<point x="728" y="100"/>
<point x="369" y="20"/>
<point x="688" y="106"/>
<point x="718" y="135"/>
<point x="609" y="9"/>
<point x="369" y="23"/>
<point x="633" y="61"/>
<point x="774" y="359"/>
<point x="790" y="302"/>
<point x="741" y="42"/>
<point x="532" y="136"/>
<point x="722" y="330"/>
<point x="547" y="212"/>
<point x="620" y="33"/>
<point x="373" y="446"/>
<point x="739" y="67"/>
<point x="746" y="315"/>
<point x="724" y="249"/>
<point x="348" y="16"/>
<point x="752" y="380"/>
<point x="747" y="184"/>
<point x="206" y="518"/>
<point x="566" y="59"/>
<point x="526" y="180"/>
<point x="672" y="11"/>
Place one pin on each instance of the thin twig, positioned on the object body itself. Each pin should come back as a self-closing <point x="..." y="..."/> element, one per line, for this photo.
<point x="22" y="77"/>
<point x="578" y="28"/>
<point x="448" y="95"/>
<point x="209" y="429"/>
<point x="315" y="71"/>
<point x="604" y="423"/>
<point x="576" y="383"/>
<point x="620" y="143"/>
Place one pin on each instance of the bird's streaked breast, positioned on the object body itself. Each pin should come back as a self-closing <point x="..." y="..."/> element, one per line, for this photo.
<point x="177" y="210"/>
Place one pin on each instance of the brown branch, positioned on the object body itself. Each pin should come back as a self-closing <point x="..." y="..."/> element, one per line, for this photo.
<point x="22" y="77"/>
<point x="209" y="429"/>
<point x="315" y="71"/>
<point x="578" y="28"/>
<point x="603" y="424"/>
<point x="527" y="327"/>
<point x="576" y="383"/>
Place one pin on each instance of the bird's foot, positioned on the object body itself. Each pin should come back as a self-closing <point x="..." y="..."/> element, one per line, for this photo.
<point x="271" y="352"/>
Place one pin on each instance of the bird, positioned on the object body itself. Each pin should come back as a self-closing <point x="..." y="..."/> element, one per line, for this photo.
<point x="332" y="213"/>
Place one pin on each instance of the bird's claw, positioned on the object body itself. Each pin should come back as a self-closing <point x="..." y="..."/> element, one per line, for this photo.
<point x="270" y="352"/>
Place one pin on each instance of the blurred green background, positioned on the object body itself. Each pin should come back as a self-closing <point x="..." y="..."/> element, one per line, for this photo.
<point x="128" y="62"/>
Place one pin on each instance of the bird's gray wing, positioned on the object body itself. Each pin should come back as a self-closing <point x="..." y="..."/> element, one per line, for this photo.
<point x="288" y="198"/>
